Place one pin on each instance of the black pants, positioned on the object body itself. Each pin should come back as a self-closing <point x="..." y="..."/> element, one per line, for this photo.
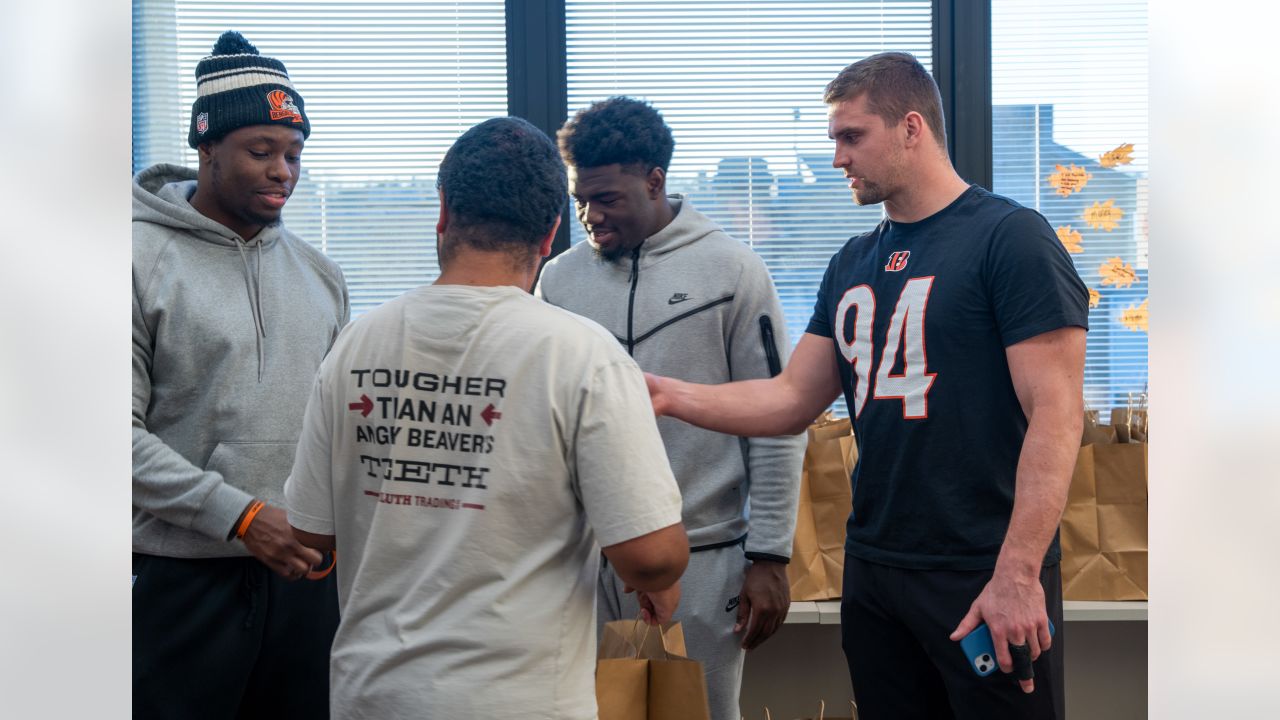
<point x="896" y="626"/>
<point x="227" y="638"/>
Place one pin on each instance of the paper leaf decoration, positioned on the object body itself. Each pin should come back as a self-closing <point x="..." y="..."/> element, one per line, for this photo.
<point x="1070" y="239"/>
<point x="1070" y="179"/>
<point x="1119" y="156"/>
<point x="1094" y="298"/>
<point x="1117" y="272"/>
<point x="1103" y="215"/>
<point x="1135" y="318"/>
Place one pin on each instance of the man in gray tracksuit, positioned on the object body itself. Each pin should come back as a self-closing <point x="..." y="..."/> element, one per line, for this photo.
<point x="686" y="300"/>
<point x="232" y="314"/>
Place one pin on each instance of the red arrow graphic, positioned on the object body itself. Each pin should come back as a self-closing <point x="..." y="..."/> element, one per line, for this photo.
<point x="365" y="406"/>
<point x="489" y="414"/>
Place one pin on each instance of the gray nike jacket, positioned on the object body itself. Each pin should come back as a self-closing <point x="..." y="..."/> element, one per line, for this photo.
<point x="695" y="304"/>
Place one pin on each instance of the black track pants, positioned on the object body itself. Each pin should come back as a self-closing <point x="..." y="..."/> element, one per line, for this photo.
<point x="895" y="627"/>
<point x="227" y="638"/>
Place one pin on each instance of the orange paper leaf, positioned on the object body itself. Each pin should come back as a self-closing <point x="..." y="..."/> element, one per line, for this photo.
<point x="1103" y="215"/>
<point x="1070" y="239"/>
<point x="1119" y="156"/>
<point x="1135" y="318"/>
<point x="1117" y="272"/>
<point x="1069" y="179"/>
<point x="1094" y="298"/>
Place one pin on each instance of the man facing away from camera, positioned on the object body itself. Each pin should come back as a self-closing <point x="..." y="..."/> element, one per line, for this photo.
<point x="468" y="450"/>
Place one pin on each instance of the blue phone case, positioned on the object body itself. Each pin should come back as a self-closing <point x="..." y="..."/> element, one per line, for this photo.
<point x="981" y="652"/>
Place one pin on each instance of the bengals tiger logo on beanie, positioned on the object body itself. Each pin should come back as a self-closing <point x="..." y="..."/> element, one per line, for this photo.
<point x="236" y="86"/>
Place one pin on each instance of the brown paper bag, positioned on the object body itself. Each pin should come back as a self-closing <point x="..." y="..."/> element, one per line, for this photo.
<point x="642" y="674"/>
<point x="1130" y="424"/>
<point x="1095" y="432"/>
<point x="1104" y="526"/>
<point x="826" y="498"/>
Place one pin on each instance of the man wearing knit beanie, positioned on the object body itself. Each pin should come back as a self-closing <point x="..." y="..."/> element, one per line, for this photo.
<point x="232" y="314"/>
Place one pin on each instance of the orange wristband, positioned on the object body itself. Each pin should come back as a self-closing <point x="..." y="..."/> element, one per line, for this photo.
<point x="321" y="574"/>
<point x="249" y="515"/>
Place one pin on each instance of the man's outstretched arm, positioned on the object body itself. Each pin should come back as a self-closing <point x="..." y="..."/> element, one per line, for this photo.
<point x="782" y="405"/>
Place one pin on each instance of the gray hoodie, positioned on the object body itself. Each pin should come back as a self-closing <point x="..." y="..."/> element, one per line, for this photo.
<point x="695" y="304"/>
<point x="227" y="337"/>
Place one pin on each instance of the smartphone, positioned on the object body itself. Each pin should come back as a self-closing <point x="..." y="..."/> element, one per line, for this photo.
<point x="981" y="652"/>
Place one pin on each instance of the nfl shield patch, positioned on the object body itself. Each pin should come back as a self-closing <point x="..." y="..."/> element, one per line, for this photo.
<point x="202" y="123"/>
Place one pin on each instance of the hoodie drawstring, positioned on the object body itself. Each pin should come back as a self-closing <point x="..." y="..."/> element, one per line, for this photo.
<point x="262" y="323"/>
<point x="254" y="287"/>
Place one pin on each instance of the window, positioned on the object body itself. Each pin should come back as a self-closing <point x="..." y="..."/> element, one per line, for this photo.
<point x="1069" y="119"/>
<point x="388" y="87"/>
<point x="741" y="86"/>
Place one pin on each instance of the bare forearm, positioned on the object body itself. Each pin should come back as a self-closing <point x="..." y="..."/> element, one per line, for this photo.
<point x="781" y="405"/>
<point x="749" y="408"/>
<point x="1044" y="476"/>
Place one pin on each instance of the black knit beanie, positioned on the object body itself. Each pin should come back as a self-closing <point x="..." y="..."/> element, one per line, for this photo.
<point x="235" y="87"/>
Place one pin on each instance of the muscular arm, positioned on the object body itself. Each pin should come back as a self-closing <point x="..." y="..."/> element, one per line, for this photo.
<point x="1047" y="372"/>
<point x="782" y="405"/>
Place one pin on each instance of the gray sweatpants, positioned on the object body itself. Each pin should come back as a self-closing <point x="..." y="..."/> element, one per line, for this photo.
<point x="707" y="612"/>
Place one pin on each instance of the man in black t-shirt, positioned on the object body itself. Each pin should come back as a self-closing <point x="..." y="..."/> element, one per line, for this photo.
<point x="956" y="330"/>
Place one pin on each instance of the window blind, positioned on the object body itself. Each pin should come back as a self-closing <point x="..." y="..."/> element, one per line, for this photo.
<point x="740" y="84"/>
<point x="1070" y="138"/>
<point x="389" y="85"/>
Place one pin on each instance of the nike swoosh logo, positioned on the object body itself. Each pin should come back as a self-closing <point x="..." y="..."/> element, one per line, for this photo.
<point x="678" y="299"/>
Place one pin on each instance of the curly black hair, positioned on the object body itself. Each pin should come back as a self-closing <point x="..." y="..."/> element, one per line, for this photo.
<point x="504" y="185"/>
<point x="619" y="130"/>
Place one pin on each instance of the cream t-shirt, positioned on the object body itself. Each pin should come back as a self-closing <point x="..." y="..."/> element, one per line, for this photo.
<point x="471" y="448"/>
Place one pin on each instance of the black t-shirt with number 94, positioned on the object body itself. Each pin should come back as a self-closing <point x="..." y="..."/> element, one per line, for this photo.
<point x="920" y="315"/>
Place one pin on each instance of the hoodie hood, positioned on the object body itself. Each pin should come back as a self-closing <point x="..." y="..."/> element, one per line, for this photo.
<point x="162" y="195"/>
<point x="688" y="226"/>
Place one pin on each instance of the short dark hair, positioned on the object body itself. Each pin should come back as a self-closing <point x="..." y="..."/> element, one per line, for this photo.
<point x="895" y="83"/>
<point x="619" y="130"/>
<point x="503" y="184"/>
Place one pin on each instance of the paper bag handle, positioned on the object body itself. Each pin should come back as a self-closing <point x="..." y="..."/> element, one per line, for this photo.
<point x="662" y="640"/>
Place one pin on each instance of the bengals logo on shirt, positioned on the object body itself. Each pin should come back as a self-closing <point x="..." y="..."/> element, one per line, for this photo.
<point x="282" y="106"/>
<point x="897" y="261"/>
